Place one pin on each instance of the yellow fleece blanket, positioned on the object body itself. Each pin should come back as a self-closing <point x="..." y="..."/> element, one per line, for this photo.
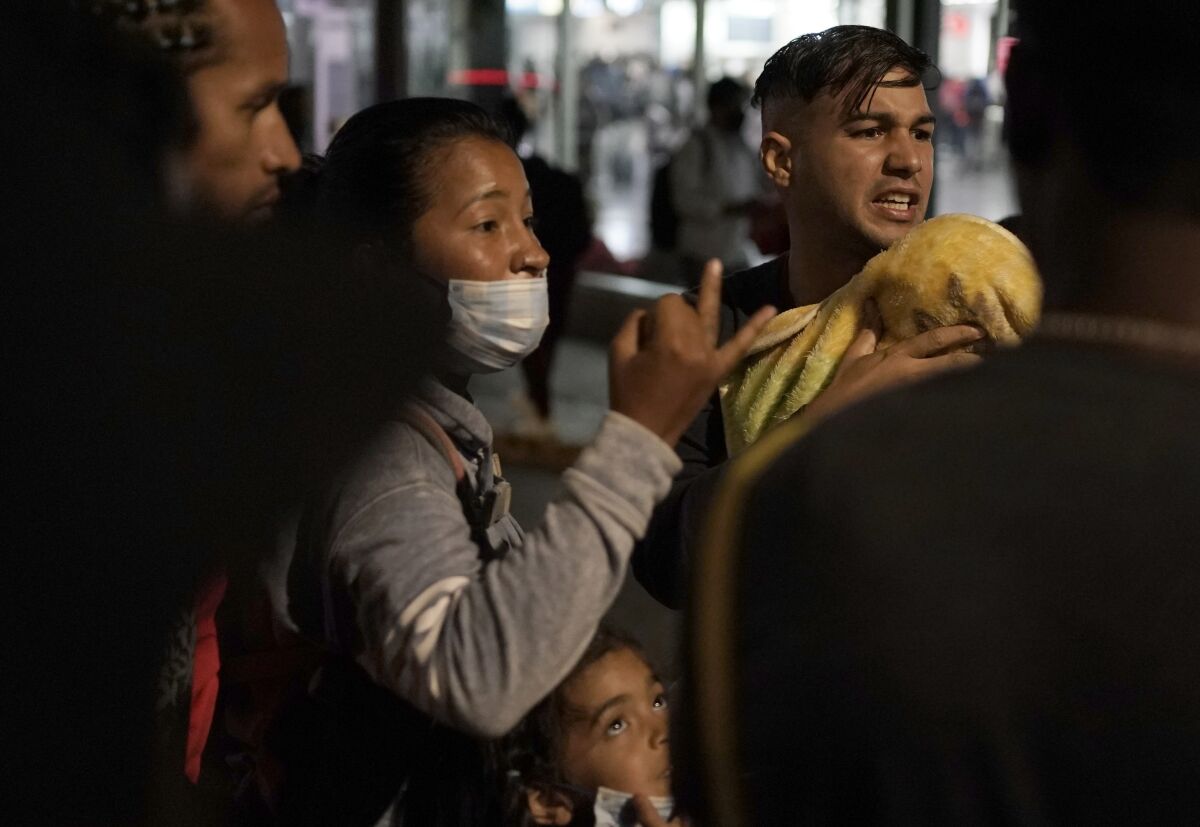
<point x="948" y="270"/>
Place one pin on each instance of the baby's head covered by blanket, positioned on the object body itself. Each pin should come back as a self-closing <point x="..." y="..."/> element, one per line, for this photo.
<point x="953" y="269"/>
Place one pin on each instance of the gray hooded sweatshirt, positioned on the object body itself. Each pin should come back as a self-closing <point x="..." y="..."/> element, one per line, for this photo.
<point x="387" y="570"/>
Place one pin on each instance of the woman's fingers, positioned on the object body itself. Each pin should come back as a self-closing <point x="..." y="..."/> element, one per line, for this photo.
<point x="708" y="305"/>
<point x="624" y="345"/>
<point x="730" y="353"/>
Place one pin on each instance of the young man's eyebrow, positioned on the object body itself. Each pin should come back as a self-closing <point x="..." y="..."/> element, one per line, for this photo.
<point x="886" y="117"/>
<point x="859" y="115"/>
<point x="614" y="701"/>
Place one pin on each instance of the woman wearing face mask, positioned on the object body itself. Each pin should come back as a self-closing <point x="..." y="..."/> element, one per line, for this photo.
<point x="411" y="564"/>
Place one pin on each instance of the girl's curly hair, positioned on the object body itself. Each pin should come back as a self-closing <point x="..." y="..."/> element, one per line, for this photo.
<point x="531" y="752"/>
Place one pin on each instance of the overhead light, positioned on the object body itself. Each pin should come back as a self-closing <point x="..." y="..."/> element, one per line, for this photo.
<point x="624" y="8"/>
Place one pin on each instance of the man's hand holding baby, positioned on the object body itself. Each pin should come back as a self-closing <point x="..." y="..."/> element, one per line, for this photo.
<point x="866" y="370"/>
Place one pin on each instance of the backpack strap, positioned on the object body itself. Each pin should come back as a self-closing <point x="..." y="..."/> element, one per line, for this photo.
<point x="438" y="437"/>
<point x="481" y="510"/>
<point x="293" y="655"/>
<point x="291" y="687"/>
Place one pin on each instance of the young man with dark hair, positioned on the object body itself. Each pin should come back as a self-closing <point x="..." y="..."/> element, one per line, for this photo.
<point x="848" y="139"/>
<point x="980" y="595"/>
<point x="847" y="143"/>
<point x="234" y="56"/>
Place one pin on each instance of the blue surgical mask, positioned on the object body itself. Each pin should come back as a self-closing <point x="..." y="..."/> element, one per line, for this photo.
<point x="495" y="324"/>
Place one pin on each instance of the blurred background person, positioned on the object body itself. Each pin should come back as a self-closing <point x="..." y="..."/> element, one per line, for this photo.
<point x="716" y="181"/>
<point x="564" y="228"/>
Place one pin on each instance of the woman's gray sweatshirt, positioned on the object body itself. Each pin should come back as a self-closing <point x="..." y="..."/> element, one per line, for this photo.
<point x="387" y="570"/>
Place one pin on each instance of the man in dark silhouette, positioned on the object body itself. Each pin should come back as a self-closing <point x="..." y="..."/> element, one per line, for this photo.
<point x="170" y="389"/>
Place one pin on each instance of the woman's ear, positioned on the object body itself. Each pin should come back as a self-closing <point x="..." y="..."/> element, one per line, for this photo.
<point x="548" y="807"/>
<point x="775" y="155"/>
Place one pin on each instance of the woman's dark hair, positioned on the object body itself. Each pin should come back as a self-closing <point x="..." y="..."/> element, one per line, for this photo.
<point x="375" y="178"/>
<point x="853" y="58"/>
<point x="531" y="752"/>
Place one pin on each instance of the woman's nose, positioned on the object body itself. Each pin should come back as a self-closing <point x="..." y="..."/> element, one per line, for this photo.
<point x="532" y="256"/>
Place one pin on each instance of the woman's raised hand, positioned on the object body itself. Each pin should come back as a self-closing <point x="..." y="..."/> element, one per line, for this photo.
<point x="664" y="363"/>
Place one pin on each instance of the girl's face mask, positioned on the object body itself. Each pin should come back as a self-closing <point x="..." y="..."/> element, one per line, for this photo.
<point x="615" y="809"/>
<point x="495" y="324"/>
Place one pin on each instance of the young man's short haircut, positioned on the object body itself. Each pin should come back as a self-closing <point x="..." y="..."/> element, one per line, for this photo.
<point x="851" y="59"/>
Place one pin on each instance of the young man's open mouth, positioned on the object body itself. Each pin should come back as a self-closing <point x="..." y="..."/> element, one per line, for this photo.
<point x="897" y="205"/>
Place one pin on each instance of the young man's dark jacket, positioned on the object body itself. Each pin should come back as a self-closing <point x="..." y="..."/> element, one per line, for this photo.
<point x="660" y="559"/>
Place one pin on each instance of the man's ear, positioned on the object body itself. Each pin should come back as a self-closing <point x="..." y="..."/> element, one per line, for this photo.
<point x="775" y="154"/>
<point x="548" y="807"/>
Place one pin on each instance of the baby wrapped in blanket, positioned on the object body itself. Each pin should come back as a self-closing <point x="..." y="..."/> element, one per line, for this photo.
<point x="952" y="269"/>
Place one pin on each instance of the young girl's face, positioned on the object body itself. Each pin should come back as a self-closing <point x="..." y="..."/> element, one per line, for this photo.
<point x="479" y="226"/>
<point x="616" y="733"/>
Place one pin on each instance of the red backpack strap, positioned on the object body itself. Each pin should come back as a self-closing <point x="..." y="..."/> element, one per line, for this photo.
<point x="437" y="435"/>
<point x="206" y="666"/>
